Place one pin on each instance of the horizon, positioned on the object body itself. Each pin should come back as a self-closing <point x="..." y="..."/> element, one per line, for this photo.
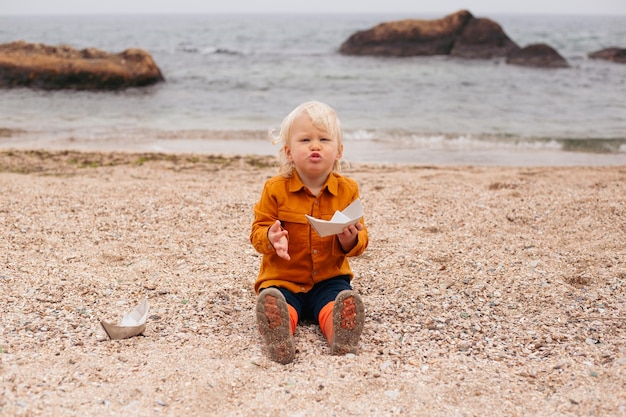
<point x="304" y="13"/>
<point x="285" y="7"/>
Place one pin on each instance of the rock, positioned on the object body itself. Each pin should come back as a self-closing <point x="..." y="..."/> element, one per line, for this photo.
<point x="537" y="55"/>
<point x="408" y="37"/>
<point x="459" y="34"/>
<point x="46" y="67"/>
<point x="610" y="54"/>
<point x="483" y="38"/>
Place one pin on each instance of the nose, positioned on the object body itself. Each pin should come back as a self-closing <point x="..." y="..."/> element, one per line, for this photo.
<point x="316" y="144"/>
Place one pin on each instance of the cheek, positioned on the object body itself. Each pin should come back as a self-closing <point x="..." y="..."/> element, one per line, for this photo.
<point x="298" y="151"/>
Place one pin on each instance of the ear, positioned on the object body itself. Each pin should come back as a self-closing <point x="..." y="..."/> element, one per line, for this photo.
<point x="339" y="152"/>
<point x="287" y="151"/>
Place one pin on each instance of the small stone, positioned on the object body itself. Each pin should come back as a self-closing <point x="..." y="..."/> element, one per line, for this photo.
<point x="385" y="365"/>
<point x="393" y="394"/>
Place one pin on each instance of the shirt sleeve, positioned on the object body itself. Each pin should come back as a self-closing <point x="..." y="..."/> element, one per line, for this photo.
<point x="362" y="237"/>
<point x="265" y="214"/>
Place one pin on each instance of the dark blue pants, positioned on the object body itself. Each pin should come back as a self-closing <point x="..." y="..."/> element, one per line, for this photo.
<point x="309" y="304"/>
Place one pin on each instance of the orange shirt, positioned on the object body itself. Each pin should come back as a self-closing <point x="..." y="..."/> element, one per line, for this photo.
<point x="313" y="258"/>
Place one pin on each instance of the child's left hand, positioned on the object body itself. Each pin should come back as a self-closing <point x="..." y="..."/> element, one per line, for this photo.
<point x="348" y="238"/>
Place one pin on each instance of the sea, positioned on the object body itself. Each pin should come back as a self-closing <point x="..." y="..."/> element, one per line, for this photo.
<point x="230" y="78"/>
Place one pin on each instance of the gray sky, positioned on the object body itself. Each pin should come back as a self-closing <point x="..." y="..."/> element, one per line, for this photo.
<point x="477" y="7"/>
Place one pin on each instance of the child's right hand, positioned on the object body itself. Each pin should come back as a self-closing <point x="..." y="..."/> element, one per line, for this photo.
<point x="279" y="239"/>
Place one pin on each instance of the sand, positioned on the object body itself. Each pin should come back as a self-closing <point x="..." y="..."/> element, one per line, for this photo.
<point x="489" y="291"/>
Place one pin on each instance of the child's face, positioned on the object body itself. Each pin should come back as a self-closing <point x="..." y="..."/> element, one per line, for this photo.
<point x="313" y="151"/>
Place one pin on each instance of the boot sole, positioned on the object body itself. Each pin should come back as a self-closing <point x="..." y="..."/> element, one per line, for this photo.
<point x="348" y="320"/>
<point x="272" y="316"/>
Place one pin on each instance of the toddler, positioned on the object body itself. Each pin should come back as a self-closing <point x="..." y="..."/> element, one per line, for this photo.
<point x="303" y="275"/>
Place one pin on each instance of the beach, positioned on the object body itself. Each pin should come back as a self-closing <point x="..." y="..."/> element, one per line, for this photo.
<point x="489" y="290"/>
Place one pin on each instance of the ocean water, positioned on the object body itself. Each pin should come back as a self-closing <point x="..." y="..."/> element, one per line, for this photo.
<point x="229" y="78"/>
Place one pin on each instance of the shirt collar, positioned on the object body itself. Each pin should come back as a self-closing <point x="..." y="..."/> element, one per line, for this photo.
<point x="331" y="184"/>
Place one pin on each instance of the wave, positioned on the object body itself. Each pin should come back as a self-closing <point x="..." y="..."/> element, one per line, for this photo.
<point x="206" y="50"/>
<point x="397" y="139"/>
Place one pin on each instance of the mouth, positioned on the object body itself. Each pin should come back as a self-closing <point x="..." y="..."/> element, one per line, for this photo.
<point x="315" y="156"/>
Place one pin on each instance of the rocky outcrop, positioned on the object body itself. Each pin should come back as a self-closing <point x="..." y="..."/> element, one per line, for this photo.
<point x="409" y="37"/>
<point x="537" y="55"/>
<point x="459" y="34"/>
<point x="610" y="54"/>
<point x="62" y="67"/>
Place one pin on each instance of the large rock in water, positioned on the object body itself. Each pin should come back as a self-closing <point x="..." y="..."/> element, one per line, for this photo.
<point x="459" y="34"/>
<point x="483" y="38"/>
<point x="610" y="54"/>
<point x="537" y="55"/>
<point x="408" y="37"/>
<point x="63" y="67"/>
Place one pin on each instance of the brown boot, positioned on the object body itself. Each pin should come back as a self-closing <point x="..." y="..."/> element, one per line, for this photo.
<point x="272" y="317"/>
<point x="348" y="319"/>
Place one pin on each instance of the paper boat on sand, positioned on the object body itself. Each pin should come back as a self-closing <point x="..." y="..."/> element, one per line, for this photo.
<point x="132" y="324"/>
<point x="350" y="215"/>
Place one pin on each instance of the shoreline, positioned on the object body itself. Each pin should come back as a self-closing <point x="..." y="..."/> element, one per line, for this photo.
<point x="488" y="291"/>
<point x="42" y="161"/>
<point x="360" y="147"/>
<point x="356" y="151"/>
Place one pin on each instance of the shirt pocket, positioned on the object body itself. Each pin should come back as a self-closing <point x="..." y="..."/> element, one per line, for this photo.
<point x="297" y="226"/>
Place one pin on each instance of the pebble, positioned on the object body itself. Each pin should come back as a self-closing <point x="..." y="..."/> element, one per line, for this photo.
<point x="393" y="394"/>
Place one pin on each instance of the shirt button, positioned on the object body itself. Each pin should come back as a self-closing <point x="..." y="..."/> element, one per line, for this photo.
<point x="314" y="273"/>
<point x="314" y="251"/>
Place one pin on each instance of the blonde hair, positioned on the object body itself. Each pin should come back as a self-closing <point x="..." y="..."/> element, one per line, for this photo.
<point x="323" y="117"/>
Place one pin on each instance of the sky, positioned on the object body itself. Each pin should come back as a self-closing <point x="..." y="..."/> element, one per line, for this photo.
<point x="477" y="7"/>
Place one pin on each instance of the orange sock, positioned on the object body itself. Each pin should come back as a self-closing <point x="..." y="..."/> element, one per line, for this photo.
<point x="293" y="318"/>
<point x="326" y="321"/>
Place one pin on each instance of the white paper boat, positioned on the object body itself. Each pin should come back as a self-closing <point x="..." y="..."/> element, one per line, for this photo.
<point x="350" y="215"/>
<point x="133" y="323"/>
